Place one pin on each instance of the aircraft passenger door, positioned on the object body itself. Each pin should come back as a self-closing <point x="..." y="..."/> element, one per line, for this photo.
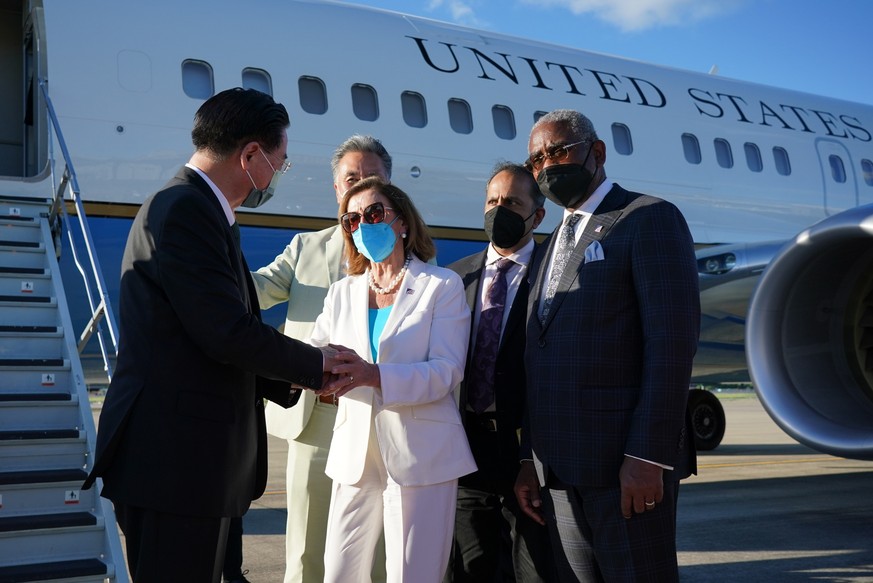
<point x="839" y="185"/>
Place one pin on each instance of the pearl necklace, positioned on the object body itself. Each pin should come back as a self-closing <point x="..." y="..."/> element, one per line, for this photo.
<point x="391" y="284"/>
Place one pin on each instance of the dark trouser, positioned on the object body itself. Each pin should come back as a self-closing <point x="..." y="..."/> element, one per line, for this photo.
<point x="170" y="548"/>
<point x="593" y="542"/>
<point x="494" y="542"/>
<point x="233" y="553"/>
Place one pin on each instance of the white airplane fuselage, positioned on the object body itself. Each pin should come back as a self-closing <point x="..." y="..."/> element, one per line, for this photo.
<point x="747" y="164"/>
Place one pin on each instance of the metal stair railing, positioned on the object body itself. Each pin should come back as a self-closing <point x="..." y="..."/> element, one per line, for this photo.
<point x="99" y="309"/>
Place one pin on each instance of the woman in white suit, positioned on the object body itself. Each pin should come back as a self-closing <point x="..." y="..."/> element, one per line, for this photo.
<point x="398" y="446"/>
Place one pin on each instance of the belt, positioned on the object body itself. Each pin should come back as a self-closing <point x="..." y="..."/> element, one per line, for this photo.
<point x="329" y="399"/>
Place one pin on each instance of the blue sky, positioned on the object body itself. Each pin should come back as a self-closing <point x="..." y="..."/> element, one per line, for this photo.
<point x="816" y="46"/>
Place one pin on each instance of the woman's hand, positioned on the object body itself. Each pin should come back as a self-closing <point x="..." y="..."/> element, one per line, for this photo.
<point x="353" y="372"/>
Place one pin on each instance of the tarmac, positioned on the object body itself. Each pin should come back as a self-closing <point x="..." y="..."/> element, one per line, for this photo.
<point x="763" y="508"/>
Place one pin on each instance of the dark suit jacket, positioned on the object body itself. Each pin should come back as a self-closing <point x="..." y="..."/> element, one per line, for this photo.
<point x="182" y="426"/>
<point x="609" y="371"/>
<point x="509" y="381"/>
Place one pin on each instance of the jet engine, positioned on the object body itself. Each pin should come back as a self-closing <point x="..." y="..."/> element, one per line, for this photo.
<point x="809" y="336"/>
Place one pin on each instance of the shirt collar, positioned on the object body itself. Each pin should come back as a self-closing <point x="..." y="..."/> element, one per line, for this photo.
<point x="521" y="257"/>
<point x="225" y="206"/>
<point x="590" y="205"/>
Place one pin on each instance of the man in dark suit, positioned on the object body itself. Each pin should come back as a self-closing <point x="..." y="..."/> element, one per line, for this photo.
<point x="493" y="540"/>
<point x="182" y="446"/>
<point x="613" y="323"/>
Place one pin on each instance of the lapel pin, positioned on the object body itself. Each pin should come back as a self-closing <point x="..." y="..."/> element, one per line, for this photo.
<point x="409" y="291"/>
<point x="598" y="229"/>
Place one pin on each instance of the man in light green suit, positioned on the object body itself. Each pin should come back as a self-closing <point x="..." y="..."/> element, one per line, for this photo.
<point x="301" y="276"/>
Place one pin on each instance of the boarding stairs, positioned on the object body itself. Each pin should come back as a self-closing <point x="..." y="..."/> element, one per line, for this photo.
<point x="50" y="529"/>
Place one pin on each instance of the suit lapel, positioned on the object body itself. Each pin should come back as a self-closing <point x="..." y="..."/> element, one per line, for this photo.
<point x="600" y="223"/>
<point x="334" y="253"/>
<point x="408" y="295"/>
<point x="359" y="295"/>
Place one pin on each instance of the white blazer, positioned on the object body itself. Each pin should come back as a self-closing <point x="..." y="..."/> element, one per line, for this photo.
<point x="421" y="359"/>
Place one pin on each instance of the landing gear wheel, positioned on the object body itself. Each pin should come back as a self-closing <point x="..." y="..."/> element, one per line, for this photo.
<point x="707" y="419"/>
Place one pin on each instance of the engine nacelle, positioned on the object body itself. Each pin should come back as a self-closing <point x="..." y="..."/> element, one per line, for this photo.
<point x="809" y="336"/>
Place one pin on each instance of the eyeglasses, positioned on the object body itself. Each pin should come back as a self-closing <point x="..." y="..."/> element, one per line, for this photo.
<point x="283" y="168"/>
<point x="375" y="213"/>
<point x="556" y="154"/>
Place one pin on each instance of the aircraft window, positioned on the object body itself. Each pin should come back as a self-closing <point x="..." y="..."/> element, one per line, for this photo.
<point x="257" y="79"/>
<point x="538" y="115"/>
<point x="783" y="165"/>
<point x="197" y="80"/>
<point x="621" y="139"/>
<point x="460" y="117"/>
<point x="691" y="147"/>
<point x="504" y="122"/>
<point x="867" y="170"/>
<point x="838" y="171"/>
<point x="313" y="95"/>
<point x="365" y="103"/>
<point x="414" y="109"/>
<point x="723" y="153"/>
<point x="753" y="157"/>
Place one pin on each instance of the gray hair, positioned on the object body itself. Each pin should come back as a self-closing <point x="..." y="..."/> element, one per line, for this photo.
<point x="580" y="126"/>
<point x="363" y="144"/>
<point x="521" y="172"/>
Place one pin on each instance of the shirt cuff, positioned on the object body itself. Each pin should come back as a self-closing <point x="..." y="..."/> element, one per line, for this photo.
<point x="664" y="466"/>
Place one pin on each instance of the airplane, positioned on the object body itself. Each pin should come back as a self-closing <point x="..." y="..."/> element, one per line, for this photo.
<point x="770" y="181"/>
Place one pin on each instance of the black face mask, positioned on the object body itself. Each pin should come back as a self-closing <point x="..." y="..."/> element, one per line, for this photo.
<point x="504" y="227"/>
<point x="566" y="185"/>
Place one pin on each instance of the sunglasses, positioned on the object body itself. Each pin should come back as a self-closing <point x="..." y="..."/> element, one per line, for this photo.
<point x="556" y="154"/>
<point x="375" y="213"/>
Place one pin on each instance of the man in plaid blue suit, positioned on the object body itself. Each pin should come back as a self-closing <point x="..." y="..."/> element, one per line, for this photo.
<point x="613" y="323"/>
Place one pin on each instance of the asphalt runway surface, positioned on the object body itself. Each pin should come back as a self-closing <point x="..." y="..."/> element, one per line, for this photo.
<point x="762" y="508"/>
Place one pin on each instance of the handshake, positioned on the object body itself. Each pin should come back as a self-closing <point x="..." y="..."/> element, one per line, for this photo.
<point x="344" y="370"/>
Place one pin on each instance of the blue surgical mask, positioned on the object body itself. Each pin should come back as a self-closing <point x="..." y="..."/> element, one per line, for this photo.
<point x="375" y="242"/>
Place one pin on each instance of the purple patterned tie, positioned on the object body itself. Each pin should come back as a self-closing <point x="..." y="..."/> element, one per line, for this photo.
<point x="480" y="392"/>
<point x="566" y="243"/>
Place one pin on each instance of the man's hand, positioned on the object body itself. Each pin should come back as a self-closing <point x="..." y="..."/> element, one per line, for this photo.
<point x="333" y="355"/>
<point x="527" y="491"/>
<point x="642" y="486"/>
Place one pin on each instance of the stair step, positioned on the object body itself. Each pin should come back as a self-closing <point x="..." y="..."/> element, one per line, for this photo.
<point x="25" y="397"/>
<point x="35" y="461"/>
<point x="45" y="415"/>
<point x="27" y="299"/>
<point x="42" y="476"/>
<point x="52" y="571"/>
<point x="30" y="434"/>
<point x="31" y="362"/>
<point x="7" y="270"/>
<point x="17" y="218"/>
<point x="30" y="329"/>
<point x="34" y="381"/>
<point x="25" y="244"/>
<point x="45" y="521"/>
<point x="72" y="543"/>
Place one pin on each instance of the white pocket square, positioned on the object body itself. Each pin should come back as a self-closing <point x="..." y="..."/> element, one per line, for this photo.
<point x="594" y="252"/>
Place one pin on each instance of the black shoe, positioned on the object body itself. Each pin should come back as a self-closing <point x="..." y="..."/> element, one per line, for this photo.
<point x="241" y="578"/>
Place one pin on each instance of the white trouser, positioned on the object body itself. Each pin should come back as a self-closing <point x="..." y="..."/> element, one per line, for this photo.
<point x="418" y="522"/>
<point x="308" y="501"/>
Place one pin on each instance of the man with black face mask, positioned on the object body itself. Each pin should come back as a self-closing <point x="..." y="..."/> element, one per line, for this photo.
<point x="493" y="539"/>
<point x="614" y="316"/>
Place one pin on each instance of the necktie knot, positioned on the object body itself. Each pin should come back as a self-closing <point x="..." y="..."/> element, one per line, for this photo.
<point x="570" y="222"/>
<point x="503" y="264"/>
